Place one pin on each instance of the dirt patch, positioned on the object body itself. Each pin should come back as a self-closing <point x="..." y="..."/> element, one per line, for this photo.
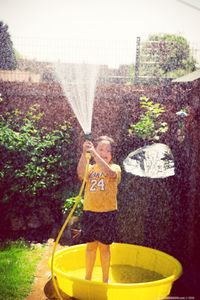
<point x="42" y="288"/>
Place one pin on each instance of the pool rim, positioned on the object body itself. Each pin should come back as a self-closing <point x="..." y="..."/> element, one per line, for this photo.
<point x="166" y="280"/>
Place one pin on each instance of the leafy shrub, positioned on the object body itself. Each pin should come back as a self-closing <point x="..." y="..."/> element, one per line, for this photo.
<point x="69" y="203"/>
<point x="149" y="127"/>
<point x="31" y="157"/>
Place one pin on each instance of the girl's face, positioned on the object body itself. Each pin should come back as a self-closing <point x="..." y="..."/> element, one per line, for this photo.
<point x="104" y="150"/>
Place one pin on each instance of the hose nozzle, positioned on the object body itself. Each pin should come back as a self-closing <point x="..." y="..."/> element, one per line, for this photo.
<point x="88" y="136"/>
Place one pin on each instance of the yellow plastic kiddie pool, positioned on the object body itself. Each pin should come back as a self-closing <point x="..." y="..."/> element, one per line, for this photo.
<point x="136" y="273"/>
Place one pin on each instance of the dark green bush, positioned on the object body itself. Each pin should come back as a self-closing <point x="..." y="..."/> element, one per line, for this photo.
<point x="31" y="156"/>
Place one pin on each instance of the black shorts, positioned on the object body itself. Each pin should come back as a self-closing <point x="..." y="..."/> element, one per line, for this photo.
<point x="98" y="226"/>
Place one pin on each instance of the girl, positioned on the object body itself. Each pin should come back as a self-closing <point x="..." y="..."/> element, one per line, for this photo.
<point x="100" y="203"/>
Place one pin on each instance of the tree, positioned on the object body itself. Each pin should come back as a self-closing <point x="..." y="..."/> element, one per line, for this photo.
<point x="7" y="54"/>
<point x="168" y="53"/>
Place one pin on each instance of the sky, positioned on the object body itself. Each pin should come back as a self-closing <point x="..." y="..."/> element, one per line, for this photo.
<point x="95" y="30"/>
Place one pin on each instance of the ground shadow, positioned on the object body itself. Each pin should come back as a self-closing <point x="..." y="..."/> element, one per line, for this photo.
<point x="50" y="292"/>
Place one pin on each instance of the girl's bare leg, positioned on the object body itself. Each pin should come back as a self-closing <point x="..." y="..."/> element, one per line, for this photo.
<point x="90" y="258"/>
<point x="105" y="260"/>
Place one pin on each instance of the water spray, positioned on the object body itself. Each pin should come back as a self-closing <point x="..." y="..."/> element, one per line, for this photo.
<point x="78" y="82"/>
<point x="153" y="161"/>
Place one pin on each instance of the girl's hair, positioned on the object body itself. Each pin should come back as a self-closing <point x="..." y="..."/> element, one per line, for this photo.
<point x="105" y="138"/>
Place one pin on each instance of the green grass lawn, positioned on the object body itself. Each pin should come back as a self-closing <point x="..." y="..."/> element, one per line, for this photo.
<point x="18" y="262"/>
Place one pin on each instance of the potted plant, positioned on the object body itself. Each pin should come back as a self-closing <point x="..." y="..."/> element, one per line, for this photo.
<point x="73" y="228"/>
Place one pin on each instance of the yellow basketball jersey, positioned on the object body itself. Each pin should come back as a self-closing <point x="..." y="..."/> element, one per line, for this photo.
<point x="101" y="191"/>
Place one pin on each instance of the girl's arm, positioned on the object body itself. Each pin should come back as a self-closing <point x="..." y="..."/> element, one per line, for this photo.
<point x="82" y="162"/>
<point x="106" y="169"/>
<point x="81" y="166"/>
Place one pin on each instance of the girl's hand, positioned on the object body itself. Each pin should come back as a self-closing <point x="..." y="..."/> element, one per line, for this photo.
<point x="88" y="147"/>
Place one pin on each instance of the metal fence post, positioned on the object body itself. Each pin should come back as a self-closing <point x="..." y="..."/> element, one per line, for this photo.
<point x="137" y="60"/>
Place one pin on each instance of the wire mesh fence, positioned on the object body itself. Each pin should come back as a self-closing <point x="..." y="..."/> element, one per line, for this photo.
<point x="36" y="58"/>
<point x="160" y="59"/>
<point x="126" y="62"/>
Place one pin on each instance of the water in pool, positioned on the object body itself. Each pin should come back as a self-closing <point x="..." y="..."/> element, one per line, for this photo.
<point x="120" y="274"/>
